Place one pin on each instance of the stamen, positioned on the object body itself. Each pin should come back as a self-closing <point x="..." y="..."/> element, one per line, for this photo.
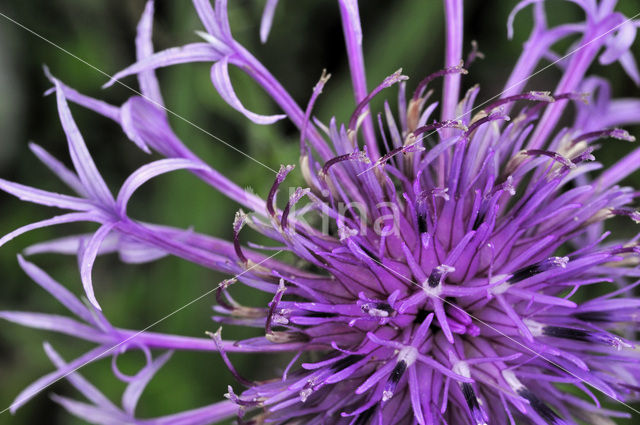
<point x="483" y="119"/>
<point x="387" y="82"/>
<point x="473" y="54"/>
<point x="238" y="224"/>
<point x="317" y="90"/>
<point x="534" y="269"/>
<point x="470" y="397"/>
<point x="438" y="274"/>
<point x="410" y="148"/>
<point x="379" y="309"/>
<point x="282" y="174"/>
<point x="220" y="291"/>
<point x="346" y="362"/>
<point x="364" y="417"/>
<point x="438" y="125"/>
<point x="217" y="338"/>
<point x="353" y="156"/>
<point x="584" y="336"/>
<point x="406" y="358"/>
<point x="273" y="305"/>
<point x="536" y="96"/>
<point x="230" y="395"/>
<point x="553" y="155"/>
<point x="616" y="133"/>
<point x="632" y="214"/>
<point x="422" y="85"/>
<point x="298" y="194"/>
<point x="541" y="408"/>
<point x="394" y="378"/>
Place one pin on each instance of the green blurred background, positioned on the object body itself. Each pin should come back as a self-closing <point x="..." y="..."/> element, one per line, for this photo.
<point x="305" y="39"/>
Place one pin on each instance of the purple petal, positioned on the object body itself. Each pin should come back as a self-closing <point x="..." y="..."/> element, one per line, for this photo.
<point x="194" y="52"/>
<point x="149" y="171"/>
<point x="134" y="390"/>
<point x="93" y="414"/>
<point x="43" y="197"/>
<point x="222" y="83"/>
<point x="58" y="291"/>
<point x="88" y="257"/>
<point x="208" y="17"/>
<point x="54" y="323"/>
<point x="619" y="44"/>
<point x="70" y="245"/>
<point x="267" y="19"/>
<point x="82" y="161"/>
<point x="50" y="378"/>
<point x="81" y="384"/>
<point x="95" y="105"/>
<point x="59" y="169"/>
<point x="60" y="219"/>
<point x="144" y="48"/>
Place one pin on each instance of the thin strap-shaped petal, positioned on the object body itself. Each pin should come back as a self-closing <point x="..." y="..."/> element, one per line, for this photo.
<point x="222" y="19"/>
<point x="99" y="106"/>
<point x="43" y="197"/>
<point x="54" y="323"/>
<point x="352" y="30"/>
<point x="59" y="169"/>
<point x="93" y="414"/>
<point x="267" y="19"/>
<point x="48" y="379"/>
<point x="194" y="52"/>
<point x="149" y="171"/>
<point x="58" y="291"/>
<point x="59" y="219"/>
<point x="453" y="56"/>
<point x="82" y="161"/>
<point x="222" y="83"/>
<point x="134" y="390"/>
<point x="85" y="387"/>
<point x="144" y="48"/>
<point x="88" y="257"/>
<point x="213" y="413"/>
<point x="70" y="245"/>
<point x="207" y="16"/>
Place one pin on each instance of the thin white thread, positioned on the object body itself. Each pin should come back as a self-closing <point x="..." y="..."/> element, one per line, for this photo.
<point x="506" y="336"/>
<point x="508" y="88"/>
<point x="28" y="396"/>
<point x="175" y="114"/>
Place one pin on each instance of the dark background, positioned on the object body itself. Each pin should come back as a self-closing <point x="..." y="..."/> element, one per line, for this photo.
<point x="306" y="38"/>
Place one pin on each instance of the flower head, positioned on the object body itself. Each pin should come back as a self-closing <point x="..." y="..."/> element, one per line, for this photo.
<point x="440" y="256"/>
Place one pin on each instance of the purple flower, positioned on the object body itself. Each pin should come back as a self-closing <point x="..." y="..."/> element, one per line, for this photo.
<point x="441" y="256"/>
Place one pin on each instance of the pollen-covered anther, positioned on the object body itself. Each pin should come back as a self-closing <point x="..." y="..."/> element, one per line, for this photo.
<point x="437" y="276"/>
<point x="233" y="397"/>
<point x="535" y="96"/>
<point x="615" y="133"/>
<point x="555" y="156"/>
<point x="379" y="309"/>
<point x="353" y="156"/>
<point x="537" y="268"/>
<point x="406" y="358"/>
<point x="271" y="198"/>
<point x="631" y="213"/>
<point x="283" y="337"/>
<point x="506" y="186"/>
<point x="238" y="223"/>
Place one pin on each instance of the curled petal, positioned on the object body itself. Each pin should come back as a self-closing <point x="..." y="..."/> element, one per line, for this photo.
<point x="222" y="83"/>
<point x="88" y="257"/>
<point x="149" y="171"/>
<point x="194" y="52"/>
<point x="267" y="19"/>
